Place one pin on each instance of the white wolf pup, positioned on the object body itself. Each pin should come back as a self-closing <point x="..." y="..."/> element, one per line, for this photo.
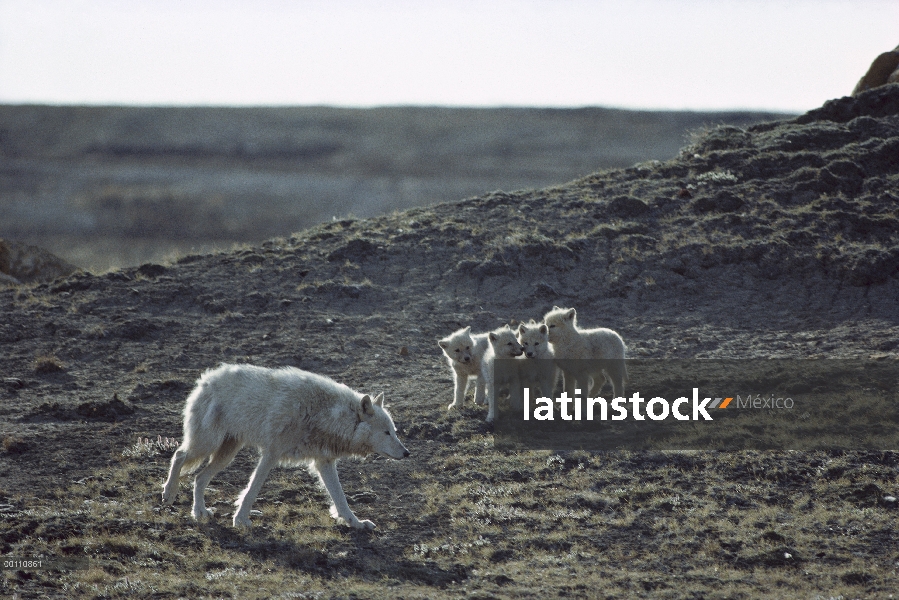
<point x="293" y="417"/>
<point x="465" y="354"/>
<point x="538" y="368"/>
<point x="503" y="344"/>
<point x="574" y="348"/>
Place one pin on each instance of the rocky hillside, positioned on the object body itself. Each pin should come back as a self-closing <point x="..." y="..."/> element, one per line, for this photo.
<point x="777" y="239"/>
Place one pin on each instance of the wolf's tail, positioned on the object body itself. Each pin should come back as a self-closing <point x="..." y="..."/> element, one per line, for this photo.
<point x="195" y="438"/>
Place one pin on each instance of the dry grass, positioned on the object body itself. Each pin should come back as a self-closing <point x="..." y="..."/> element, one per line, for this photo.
<point x="531" y="524"/>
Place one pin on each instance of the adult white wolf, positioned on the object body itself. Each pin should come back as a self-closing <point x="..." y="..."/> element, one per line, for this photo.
<point x="293" y="417"/>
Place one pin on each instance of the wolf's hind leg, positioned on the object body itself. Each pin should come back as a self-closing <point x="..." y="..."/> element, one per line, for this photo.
<point x="220" y="459"/>
<point x="170" y="489"/>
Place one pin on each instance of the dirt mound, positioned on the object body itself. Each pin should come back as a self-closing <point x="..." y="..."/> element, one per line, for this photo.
<point x="110" y="410"/>
<point x="21" y="263"/>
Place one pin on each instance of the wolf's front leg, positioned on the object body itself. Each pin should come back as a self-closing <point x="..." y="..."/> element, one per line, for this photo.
<point x="516" y="395"/>
<point x="491" y="407"/>
<point x="491" y="395"/>
<point x="616" y="375"/>
<point x="548" y="377"/>
<point x="480" y="397"/>
<point x="459" y="391"/>
<point x="327" y="472"/>
<point x="569" y="383"/>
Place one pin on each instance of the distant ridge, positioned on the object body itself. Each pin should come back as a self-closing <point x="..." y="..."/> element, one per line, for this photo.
<point x="105" y="187"/>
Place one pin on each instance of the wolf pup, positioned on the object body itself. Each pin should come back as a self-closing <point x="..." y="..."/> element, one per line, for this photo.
<point x="293" y="417"/>
<point x="538" y="368"/>
<point x="577" y="352"/>
<point x="503" y="344"/>
<point x="465" y="354"/>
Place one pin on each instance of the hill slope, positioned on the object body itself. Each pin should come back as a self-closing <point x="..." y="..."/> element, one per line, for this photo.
<point x="780" y="239"/>
<point x="119" y="186"/>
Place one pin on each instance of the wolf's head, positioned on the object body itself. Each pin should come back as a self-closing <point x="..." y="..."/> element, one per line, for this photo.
<point x="458" y="346"/>
<point x="377" y="425"/>
<point x="504" y="343"/>
<point x="560" y="321"/>
<point x="534" y="339"/>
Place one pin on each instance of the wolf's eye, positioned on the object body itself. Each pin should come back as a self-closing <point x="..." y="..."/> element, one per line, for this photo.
<point x="456" y="350"/>
<point x="387" y="432"/>
<point x="551" y="326"/>
<point x="468" y="347"/>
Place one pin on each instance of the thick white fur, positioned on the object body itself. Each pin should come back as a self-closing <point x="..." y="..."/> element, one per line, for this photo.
<point x="465" y="354"/>
<point x="538" y="368"/>
<point x="570" y="342"/>
<point x="292" y="416"/>
<point x="502" y="344"/>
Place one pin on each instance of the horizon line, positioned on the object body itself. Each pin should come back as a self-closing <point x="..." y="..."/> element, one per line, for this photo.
<point x="399" y="105"/>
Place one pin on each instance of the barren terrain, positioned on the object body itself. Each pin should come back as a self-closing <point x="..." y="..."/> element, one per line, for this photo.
<point x="778" y="239"/>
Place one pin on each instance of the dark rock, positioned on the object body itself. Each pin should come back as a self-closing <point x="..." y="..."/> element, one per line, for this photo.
<point x="137" y="329"/>
<point x="104" y="411"/>
<point x="878" y="102"/>
<point x="723" y="201"/>
<point x="627" y="207"/>
<point x="151" y="270"/>
<point x="357" y="250"/>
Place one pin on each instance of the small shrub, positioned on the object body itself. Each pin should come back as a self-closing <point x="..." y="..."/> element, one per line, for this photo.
<point x="48" y="364"/>
<point x="717" y="176"/>
<point x="96" y="332"/>
<point x="145" y="447"/>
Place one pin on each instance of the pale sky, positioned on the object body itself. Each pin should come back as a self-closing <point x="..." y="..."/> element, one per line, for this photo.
<point x="786" y="55"/>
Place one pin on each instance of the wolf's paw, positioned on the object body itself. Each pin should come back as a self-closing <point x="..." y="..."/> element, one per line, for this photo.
<point x="202" y="513"/>
<point x="365" y="525"/>
<point x="168" y="496"/>
<point x="453" y="405"/>
<point x="241" y="522"/>
<point x="480" y="401"/>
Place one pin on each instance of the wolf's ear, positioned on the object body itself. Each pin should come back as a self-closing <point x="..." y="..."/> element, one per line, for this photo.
<point x="443" y="344"/>
<point x="556" y="307"/>
<point x="468" y="329"/>
<point x="379" y="400"/>
<point x="492" y="336"/>
<point x="571" y="314"/>
<point x="543" y="329"/>
<point x="522" y="328"/>
<point x="366" y="405"/>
